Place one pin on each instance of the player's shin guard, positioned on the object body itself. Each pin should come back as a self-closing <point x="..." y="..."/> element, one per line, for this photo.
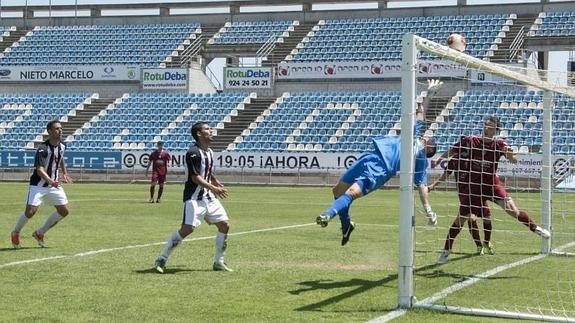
<point x="50" y="222"/>
<point x="341" y="203"/>
<point x="221" y="245"/>
<point x="474" y="230"/>
<point x="22" y="220"/>
<point x="453" y="232"/>
<point x="487" y="227"/>
<point x="526" y="220"/>
<point x="172" y="243"/>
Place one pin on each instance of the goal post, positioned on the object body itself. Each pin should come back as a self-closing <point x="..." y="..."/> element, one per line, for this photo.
<point x="559" y="299"/>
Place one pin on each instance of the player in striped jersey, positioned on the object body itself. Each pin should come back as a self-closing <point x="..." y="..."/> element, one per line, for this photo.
<point x="200" y="199"/>
<point x="45" y="185"/>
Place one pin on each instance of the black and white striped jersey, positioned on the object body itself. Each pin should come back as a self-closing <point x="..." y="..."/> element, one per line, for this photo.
<point x="49" y="157"/>
<point x="198" y="162"/>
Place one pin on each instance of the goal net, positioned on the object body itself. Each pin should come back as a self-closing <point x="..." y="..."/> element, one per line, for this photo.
<point x="509" y="268"/>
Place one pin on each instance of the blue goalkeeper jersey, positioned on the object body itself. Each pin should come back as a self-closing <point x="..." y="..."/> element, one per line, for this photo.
<point x="389" y="150"/>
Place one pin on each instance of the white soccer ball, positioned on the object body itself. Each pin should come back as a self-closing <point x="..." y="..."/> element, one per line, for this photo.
<point x="457" y="42"/>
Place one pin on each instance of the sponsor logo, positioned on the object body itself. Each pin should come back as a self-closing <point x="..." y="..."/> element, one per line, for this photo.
<point x="108" y="69"/>
<point x="248" y="73"/>
<point x="5" y="72"/>
<point x="165" y="76"/>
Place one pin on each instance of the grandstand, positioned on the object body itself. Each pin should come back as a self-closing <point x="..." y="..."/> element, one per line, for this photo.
<point x="313" y="121"/>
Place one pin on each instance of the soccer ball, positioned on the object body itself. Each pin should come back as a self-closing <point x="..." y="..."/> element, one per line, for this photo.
<point x="457" y="42"/>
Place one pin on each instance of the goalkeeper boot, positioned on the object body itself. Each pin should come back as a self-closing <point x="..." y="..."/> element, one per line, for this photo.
<point x="544" y="233"/>
<point x="347" y="232"/>
<point x="160" y="265"/>
<point x="39" y="236"/>
<point x="15" y="237"/>
<point x="443" y="257"/>
<point x="488" y="248"/>
<point x="221" y="267"/>
<point x="323" y="220"/>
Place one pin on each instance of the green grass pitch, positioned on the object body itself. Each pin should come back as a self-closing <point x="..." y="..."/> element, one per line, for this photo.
<point x="98" y="264"/>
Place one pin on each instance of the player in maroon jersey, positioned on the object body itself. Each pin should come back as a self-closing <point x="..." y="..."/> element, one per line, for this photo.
<point x="454" y="165"/>
<point x="159" y="159"/>
<point x="478" y="161"/>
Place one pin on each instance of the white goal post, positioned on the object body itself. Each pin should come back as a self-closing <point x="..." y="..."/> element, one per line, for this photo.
<point x="412" y="45"/>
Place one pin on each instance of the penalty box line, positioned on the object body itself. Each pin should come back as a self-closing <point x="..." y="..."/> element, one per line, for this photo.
<point x="95" y="252"/>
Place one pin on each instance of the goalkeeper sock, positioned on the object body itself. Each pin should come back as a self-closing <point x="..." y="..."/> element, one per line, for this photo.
<point x="341" y="203"/>
<point x="172" y="243"/>
<point x="474" y="230"/>
<point x="525" y="219"/>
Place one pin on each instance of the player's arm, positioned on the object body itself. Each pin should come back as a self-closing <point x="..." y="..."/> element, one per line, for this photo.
<point x="194" y="162"/>
<point x="447" y="154"/>
<point x="41" y="171"/>
<point x="438" y="181"/>
<point x="39" y="162"/>
<point x="432" y="88"/>
<point x="65" y="177"/>
<point x="510" y="155"/>
<point x="215" y="181"/>
<point x="219" y="190"/>
<point x="150" y="161"/>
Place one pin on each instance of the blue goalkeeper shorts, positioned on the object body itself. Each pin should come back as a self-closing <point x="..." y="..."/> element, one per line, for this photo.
<point x="368" y="171"/>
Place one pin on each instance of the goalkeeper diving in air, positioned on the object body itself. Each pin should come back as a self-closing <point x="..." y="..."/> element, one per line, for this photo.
<point x="373" y="169"/>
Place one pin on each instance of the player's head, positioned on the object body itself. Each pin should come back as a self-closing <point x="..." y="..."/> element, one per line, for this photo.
<point x="491" y="126"/>
<point x="160" y="145"/>
<point x="430" y="147"/>
<point x="54" y="128"/>
<point x="201" y="131"/>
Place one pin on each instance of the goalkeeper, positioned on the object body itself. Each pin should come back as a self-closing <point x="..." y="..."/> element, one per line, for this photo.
<point x="373" y="169"/>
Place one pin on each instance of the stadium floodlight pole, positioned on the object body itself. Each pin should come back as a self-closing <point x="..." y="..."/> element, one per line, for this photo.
<point x="547" y="171"/>
<point x="406" y="212"/>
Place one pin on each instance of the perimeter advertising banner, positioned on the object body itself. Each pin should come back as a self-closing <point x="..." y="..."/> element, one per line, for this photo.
<point x="69" y="73"/>
<point x="248" y="78"/>
<point x="364" y="70"/>
<point x="529" y="165"/>
<point x="73" y="159"/>
<point x="165" y="79"/>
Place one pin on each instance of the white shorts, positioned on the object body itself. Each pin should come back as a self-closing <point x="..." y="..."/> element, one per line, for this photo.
<point x="49" y="195"/>
<point x="212" y="211"/>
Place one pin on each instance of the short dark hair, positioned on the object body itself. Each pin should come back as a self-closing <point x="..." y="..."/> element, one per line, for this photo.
<point x="160" y="142"/>
<point x="197" y="127"/>
<point x="495" y="120"/>
<point x="51" y="123"/>
<point x="431" y="144"/>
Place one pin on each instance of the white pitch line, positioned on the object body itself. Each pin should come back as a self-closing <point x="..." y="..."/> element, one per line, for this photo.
<point x="95" y="252"/>
<point x="453" y="288"/>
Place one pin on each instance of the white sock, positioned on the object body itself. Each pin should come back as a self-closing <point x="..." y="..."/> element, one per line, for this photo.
<point x="221" y="245"/>
<point x="174" y="241"/>
<point x="427" y="209"/>
<point x="22" y="220"/>
<point x="50" y="222"/>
